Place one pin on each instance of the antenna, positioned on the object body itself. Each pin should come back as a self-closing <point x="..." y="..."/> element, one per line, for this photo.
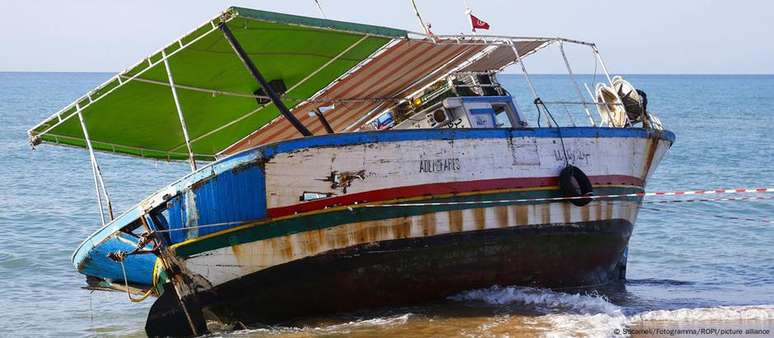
<point x="317" y="2"/>
<point x="422" y="23"/>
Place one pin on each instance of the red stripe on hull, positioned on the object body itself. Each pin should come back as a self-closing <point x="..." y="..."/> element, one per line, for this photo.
<point x="442" y="189"/>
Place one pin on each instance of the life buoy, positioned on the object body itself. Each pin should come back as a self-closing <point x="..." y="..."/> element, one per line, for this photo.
<point x="612" y="113"/>
<point x="574" y="183"/>
<point x="634" y="101"/>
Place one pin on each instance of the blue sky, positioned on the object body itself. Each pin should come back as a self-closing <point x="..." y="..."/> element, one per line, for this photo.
<point x="656" y="36"/>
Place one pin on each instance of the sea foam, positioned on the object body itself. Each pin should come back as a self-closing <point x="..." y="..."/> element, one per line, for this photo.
<point x="576" y="314"/>
<point x="564" y="314"/>
<point x="720" y="313"/>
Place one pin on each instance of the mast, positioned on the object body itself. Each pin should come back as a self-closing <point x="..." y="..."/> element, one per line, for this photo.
<point x="421" y="22"/>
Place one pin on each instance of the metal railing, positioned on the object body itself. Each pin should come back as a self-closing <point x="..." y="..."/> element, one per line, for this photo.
<point x="564" y="113"/>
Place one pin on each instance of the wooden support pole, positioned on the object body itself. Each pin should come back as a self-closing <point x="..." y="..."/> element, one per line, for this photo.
<point x="323" y="121"/>
<point x="95" y="170"/>
<point x="180" y="113"/>
<point x="178" y="283"/>
<point x="264" y="84"/>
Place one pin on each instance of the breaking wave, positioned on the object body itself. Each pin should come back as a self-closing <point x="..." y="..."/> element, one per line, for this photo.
<point x="379" y="321"/>
<point x="541" y="298"/>
<point x="339" y="328"/>
<point x="720" y="313"/>
<point x="563" y="314"/>
<point x="533" y="311"/>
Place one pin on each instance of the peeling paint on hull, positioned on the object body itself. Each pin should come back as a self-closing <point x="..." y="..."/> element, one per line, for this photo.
<point x="265" y="252"/>
<point x="410" y="271"/>
<point x="262" y="248"/>
<point x="265" y="184"/>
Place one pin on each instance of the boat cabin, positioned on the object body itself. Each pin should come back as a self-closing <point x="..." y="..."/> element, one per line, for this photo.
<point x="466" y="112"/>
<point x="466" y="100"/>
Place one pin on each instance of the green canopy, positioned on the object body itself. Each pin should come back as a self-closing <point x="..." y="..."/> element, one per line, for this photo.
<point x="134" y="112"/>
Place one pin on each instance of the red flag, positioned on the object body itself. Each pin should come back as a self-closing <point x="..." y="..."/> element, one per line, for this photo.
<point x="429" y="32"/>
<point x="477" y="23"/>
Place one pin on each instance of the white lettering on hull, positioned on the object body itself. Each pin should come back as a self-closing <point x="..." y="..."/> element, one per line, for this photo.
<point x="395" y="164"/>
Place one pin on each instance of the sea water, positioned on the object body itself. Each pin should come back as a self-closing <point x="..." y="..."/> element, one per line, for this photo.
<point x="692" y="266"/>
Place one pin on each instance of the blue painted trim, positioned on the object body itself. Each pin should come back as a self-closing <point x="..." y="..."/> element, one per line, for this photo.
<point x="139" y="268"/>
<point x="273" y="149"/>
<point x="242" y="191"/>
<point x="487" y="111"/>
<point x="134" y="213"/>
<point x="491" y="99"/>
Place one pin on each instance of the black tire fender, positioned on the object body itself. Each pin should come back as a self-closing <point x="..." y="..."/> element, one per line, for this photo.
<point x="573" y="182"/>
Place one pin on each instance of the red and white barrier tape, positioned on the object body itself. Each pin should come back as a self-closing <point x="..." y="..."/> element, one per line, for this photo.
<point x="709" y="192"/>
<point x="598" y="197"/>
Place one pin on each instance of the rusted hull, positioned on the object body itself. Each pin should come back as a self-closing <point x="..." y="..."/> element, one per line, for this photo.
<point x="414" y="270"/>
<point x="347" y="221"/>
<point x="250" y="212"/>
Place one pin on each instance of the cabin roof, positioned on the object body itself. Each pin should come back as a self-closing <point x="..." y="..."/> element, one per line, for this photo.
<point x="358" y="68"/>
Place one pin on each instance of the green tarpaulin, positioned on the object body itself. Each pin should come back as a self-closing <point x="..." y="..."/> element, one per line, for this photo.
<point x="134" y="113"/>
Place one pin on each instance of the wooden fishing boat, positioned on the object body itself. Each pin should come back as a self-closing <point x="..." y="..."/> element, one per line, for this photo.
<point x="350" y="166"/>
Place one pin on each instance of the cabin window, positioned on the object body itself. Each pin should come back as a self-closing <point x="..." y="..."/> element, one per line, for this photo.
<point x="383" y="121"/>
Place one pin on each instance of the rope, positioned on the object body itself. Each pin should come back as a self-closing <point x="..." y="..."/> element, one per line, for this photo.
<point x="128" y="293"/>
<point x="199" y="226"/>
<point x="539" y="101"/>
